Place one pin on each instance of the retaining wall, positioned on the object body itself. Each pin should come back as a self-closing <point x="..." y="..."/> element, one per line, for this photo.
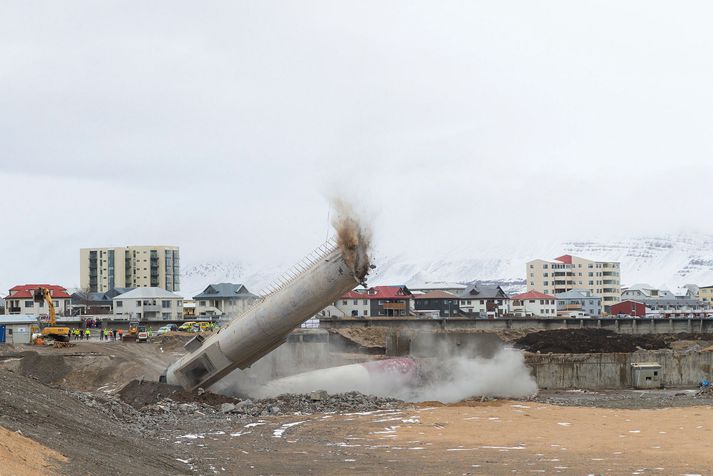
<point x="601" y="371"/>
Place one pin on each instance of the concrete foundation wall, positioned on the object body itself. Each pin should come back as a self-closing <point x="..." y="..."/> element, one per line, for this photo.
<point x="601" y="371"/>
<point x="620" y="325"/>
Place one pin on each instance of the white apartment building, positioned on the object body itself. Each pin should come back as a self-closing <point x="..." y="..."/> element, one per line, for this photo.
<point x="148" y="304"/>
<point x="103" y="269"/>
<point x="534" y="304"/>
<point x="601" y="278"/>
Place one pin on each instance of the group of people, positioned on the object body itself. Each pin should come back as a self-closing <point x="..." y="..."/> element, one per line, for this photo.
<point x="104" y="334"/>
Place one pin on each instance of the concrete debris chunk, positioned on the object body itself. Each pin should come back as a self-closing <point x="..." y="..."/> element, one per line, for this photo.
<point x="319" y="395"/>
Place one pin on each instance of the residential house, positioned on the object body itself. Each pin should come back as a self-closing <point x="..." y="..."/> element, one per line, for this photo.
<point x="224" y="299"/>
<point x="440" y="303"/>
<point x="578" y="301"/>
<point x="658" y="301"/>
<point x="21" y="300"/>
<point x="484" y="301"/>
<point x="352" y="304"/>
<point x="149" y="304"/>
<point x="389" y="301"/>
<point x="628" y="308"/>
<point x="95" y="303"/>
<point x="601" y="278"/>
<point x="453" y="288"/>
<point x="102" y="269"/>
<point x="534" y="304"/>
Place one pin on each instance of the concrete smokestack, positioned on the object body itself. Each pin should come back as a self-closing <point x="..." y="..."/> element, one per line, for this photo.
<point x="323" y="278"/>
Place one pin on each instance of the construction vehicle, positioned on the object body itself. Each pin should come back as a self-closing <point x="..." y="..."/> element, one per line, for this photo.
<point x="50" y="330"/>
<point x="132" y="333"/>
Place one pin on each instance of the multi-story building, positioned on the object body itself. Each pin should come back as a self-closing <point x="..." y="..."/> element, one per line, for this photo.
<point x="578" y="301"/>
<point x="21" y="300"/>
<point x="102" y="269"/>
<point x="149" y="304"/>
<point x="534" y="304"/>
<point x="601" y="278"/>
<point x="705" y="295"/>
<point x="223" y="299"/>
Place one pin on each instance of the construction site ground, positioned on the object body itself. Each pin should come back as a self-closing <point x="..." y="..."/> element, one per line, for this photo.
<point x="62" y="411"/>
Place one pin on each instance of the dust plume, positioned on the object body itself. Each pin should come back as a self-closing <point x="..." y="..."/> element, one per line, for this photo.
<point x="353" y="237"/>
<point x="447" y="373"/>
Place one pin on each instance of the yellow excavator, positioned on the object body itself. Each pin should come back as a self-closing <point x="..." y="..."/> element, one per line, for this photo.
<point x="50" y="330"/>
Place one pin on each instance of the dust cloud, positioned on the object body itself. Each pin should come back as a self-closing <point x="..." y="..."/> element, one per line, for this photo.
<point x="353" y="237"/>
<point x="447" y="375"/>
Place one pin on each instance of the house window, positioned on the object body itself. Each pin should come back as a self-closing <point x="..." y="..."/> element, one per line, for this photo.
<point x="203" y="303"/>
<point x="365" y="302"/>
<point x="138" y="303"/>
<point x="28" y="303"/>
<point x="344" y="303"/>
<point x="119" y="303"/>
<point x="365" y="312"/>
<point x="356" y="302"/>
<point x="165" y="304"/>
<point x="166" y="315"/>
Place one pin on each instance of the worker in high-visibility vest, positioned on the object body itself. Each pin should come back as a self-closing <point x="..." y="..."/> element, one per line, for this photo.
<point x="87" y="334"/>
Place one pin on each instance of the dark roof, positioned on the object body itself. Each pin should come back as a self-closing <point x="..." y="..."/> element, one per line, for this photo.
<point x="81" y="297"/>
<point x="479" y="291"/>
<point x="436" y="295"/>
<point x="225" y="290"/>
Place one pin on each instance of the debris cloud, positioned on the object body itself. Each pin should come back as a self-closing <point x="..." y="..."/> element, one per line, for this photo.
<point x="353" y="237"/>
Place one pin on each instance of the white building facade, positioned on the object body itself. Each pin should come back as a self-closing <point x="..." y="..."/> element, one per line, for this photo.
<point x="149" y="304"/>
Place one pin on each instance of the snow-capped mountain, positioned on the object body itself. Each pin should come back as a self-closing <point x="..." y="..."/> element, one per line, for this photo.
<point x="664" y="261"/>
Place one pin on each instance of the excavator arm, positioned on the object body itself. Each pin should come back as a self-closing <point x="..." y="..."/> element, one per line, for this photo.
<point x="51" y="330"/>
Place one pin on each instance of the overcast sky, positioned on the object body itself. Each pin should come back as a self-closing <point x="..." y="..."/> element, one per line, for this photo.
<point x="222" y="126"/>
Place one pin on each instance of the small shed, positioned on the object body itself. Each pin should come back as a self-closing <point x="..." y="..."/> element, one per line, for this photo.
<point x="646" y="375"/>
<point x="16" y="328"/>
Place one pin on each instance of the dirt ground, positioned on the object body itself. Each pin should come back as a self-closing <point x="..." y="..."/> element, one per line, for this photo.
<point x="581" y="341"/>
<point x="65" y="403"/>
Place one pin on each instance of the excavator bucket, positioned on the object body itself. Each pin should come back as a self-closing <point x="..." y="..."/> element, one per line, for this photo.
<point x="39" y="295"/>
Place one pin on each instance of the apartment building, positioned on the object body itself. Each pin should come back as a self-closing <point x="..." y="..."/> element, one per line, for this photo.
<point x="102" y="269"/>
<point x="601" y="278"/>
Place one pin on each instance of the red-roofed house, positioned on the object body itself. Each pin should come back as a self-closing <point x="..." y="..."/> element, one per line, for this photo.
<point x="21" y="300"/>
<point x="373" y="302"/>
<point x="534" y="304"/>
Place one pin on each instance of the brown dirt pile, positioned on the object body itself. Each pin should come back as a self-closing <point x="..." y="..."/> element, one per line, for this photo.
<point x="22" y="456"/>
<point x="46" y="368"/>
<point x="583" y="341"/>
<point x="369" y="337"/>
<point x="139" y="394"/>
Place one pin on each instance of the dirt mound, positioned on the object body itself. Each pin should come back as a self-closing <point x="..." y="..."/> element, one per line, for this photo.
<point x="367" y="337"/>
<point x="172" y="340"/>
<point x="581" y="341"/>
<point x="139" y="394"/>
<point x="46" y="368"/>
<point x="58" y="420"/>
<point x="20" y="455"/>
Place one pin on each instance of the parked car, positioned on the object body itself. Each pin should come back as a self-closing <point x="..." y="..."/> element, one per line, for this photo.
<point x="167" y="328"/>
